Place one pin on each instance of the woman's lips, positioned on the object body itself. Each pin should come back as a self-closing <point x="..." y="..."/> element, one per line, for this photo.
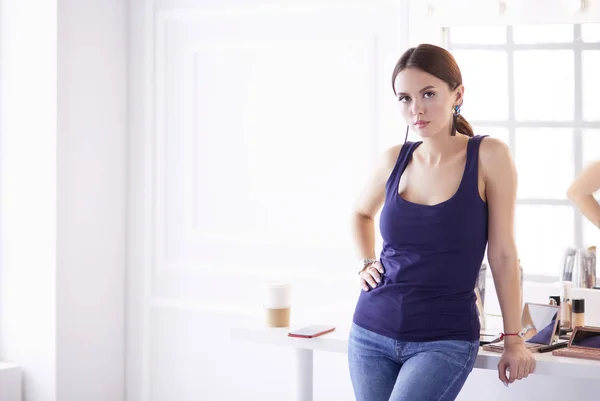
<point x="421" y="124"/>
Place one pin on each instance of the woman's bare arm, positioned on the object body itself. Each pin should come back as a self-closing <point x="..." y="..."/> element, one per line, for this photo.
<point x="500" y="179"/>
<point x="501" y="191"/>
<point x="367" y="205"/>
<point x="581" y="192"/>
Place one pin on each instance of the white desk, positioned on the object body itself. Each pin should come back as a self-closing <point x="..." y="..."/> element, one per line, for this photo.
<point x="337" y="341"/>
<point x="10" y="382"/>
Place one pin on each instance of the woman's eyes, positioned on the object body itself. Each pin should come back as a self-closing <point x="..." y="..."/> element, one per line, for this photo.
<point x="426" y="95"/>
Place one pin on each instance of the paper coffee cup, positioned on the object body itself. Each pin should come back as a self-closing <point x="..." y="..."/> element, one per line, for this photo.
<point x="277" y="303"/>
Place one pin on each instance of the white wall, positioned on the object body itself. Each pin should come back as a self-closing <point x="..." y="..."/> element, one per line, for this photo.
<point x="90" y="280"/>
<point x="29" y="193"/>
<point x="217" y="149"/>
<point x="63" y="197"/>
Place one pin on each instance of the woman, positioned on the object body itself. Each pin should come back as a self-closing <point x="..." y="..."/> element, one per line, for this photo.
<point x="415" y="331"/>
<point x="581" y="192"/>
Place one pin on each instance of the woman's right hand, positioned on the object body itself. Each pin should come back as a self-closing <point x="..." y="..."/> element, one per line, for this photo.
<point x="371" y="275"/>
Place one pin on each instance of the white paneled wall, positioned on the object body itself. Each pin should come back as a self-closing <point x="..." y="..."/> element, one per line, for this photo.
<point x="263" y="130"/>
<point x="253" y="128"/>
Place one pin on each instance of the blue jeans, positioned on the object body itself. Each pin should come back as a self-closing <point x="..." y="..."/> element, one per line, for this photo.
<point x="384" y="369"/>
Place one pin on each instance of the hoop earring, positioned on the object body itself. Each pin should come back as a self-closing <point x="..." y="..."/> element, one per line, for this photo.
<point x="406" y="136"/>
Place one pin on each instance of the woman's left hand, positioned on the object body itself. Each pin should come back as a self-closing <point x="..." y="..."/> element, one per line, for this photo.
<point x="518" y="360"/>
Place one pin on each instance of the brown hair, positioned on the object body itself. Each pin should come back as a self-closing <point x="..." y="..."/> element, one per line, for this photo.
<point x="438" y="62"/>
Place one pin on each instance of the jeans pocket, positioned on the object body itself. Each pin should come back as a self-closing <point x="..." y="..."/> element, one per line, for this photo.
<point x="457" y="353"/>
<point x="466" y="352"/>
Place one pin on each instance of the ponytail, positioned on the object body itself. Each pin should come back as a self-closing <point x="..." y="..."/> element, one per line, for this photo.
<point x="460" y="124"/>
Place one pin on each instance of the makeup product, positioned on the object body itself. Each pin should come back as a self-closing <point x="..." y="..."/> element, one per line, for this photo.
<point x="550" y="348"/>
<point x="539" y="328"/>
<point x="593" y="267"/>
<point x="480" y="294"/>
<point x="584" y="273"/>
<point x="584" y="343"/>
<point x="565" y="336"/>
<point x="568" y="263"/>
<point x="578" y="312"/>
<point x="480" y="310"/>
<point x="554" y="300"/>
<point x="565" y="302"/>
<point x="596" y="258"/>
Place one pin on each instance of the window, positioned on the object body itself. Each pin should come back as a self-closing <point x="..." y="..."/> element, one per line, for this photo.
<point x="535" y="87"/>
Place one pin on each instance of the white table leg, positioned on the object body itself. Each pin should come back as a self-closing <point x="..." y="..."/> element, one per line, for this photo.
<point x="304" y="375"/>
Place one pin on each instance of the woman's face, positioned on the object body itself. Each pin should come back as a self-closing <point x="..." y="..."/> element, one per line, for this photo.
<point x="426" y="101"/>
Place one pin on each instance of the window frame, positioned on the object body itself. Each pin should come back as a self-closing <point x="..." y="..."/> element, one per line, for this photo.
<point x="431" y="23"/>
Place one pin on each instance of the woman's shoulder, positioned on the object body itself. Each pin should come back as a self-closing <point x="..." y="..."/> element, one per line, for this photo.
<point x="494" y="156"/>
<point x="493" y="149"/>
<point x="389" y="157"/>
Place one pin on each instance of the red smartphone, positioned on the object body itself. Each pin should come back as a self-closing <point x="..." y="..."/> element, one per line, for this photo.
<point x="314" y="330"/>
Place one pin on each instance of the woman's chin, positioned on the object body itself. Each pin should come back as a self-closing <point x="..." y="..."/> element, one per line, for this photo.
<point x="425" y="132"/>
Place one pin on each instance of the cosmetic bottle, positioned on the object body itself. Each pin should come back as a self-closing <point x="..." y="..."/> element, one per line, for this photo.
<point x="578" y="313"/>
<point x="565" y="303"/>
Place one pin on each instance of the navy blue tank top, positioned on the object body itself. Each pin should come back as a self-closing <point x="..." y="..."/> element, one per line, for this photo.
<point x="431" y="256"/>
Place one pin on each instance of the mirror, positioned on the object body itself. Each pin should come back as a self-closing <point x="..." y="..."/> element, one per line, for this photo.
<point x="541" y="322"/>
<point x="586" y="338"/>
